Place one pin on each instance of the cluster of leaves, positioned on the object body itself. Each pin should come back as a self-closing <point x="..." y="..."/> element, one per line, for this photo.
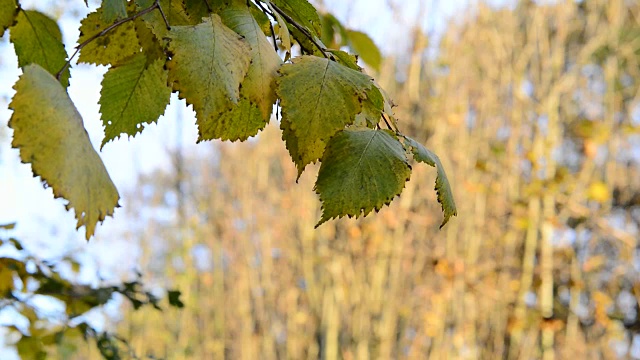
<point x="232" y="61"/>
<point x="24" y="278"/>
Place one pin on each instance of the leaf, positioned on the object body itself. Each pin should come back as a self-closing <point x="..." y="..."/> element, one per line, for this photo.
<point x="133" y="94"/>
<point x="113" y="10"/>
<point x="37" y="40"/>
<point x="197" y="9"/>
<point x="8" y="11"/>
<point x="209" y="61"/>
<point x="241" y="122"/>
<point x="174" y="298"/>
<point x="371" y="108"/>
<point x="110" y="48"/>
<point x="303" y="13"/>
<point x="283" y="32"/>
<point x="259" y="84"/>
<point x="443" y="188"/>
<point x="50" y="134"/>
<point x="362" y="45"/>
<point x="362" y="170"/>
<point x="318" y="97"/>
<point x="175" y="12"/>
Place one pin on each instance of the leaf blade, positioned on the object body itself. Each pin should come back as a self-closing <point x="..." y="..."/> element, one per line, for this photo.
<point x="51" y="136"/>
<point x="362" y="170"/>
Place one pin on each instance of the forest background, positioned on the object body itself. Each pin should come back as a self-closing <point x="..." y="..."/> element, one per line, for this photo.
<point x="534" y="108"/>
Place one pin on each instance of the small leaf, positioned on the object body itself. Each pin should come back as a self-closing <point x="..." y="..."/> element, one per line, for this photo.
<point x="9" y="226"/>
<point x="283" y="32"/>
<point x="319" y="97"/>
<point x="362" y="170"/>
<point x="443" y="188"/>
<point x="8" y="12"/>
<point x="259" y="84"/>
<point x="110" y="48"/>
<point x="241" y="122"/>
<point x="174" y="298"/>
<point x="50" y="134"/>
<point x="362" y="45"/>
<point x="37" y="40"/>
<point x="113" y="10"/>
<point x="209" y="61"/>
<point x="303" y="13"/>
<point x="133" y="94"/>
<point x="175" y="12"/>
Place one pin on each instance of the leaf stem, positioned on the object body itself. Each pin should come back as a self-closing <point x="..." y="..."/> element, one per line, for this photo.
<point x="156" y="5"/>
<point x="273" y="32"/>
<point x="301" y="28"/>
<point x="393" y="128"/>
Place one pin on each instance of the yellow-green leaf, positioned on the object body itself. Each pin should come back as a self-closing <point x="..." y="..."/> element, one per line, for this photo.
<point x="110" y="48"/>
<point x="37" y="40"/>
<point x="302" y="12"/>
<point x="51" y="136"/>
<point x="8" y="11"/>
<point x="259" y="84"/>
<point x="362" y="45"/>
<point x="362" y="170"/>
<point x="208" y="63"/>
<point x="175" y="13"/>
<point x="443" y="188"/>
<point x="133" y="94"/>
<point x="241" y="122"/>
<point x="319" y="97"/>
<point x="113" y="10"/>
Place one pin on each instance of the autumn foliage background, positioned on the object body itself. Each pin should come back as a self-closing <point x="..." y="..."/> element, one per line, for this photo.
<point x="535" y="112"/>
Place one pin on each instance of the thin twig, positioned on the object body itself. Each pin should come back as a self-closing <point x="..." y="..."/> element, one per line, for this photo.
<point x="273" y="32"/>
<point x="208" y="6"/>
<point x="301" y="28"/>
<point x="388" y="125"/>
<point x="156" y="5"/>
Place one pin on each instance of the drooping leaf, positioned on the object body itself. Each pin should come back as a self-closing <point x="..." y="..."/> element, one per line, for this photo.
<point x="362" y="170"/>
<point x="110" y="48"/>
<point x="371" y="108"/>
<point x="346" y="59"/>
<point x="362" y="44"/>
<point x="50" y="134"/>
<point x="133" y="94"/>
<point x="37" y="40"/>
<point x="443" y="188"/>
<point x="319" y="97"/>
<point x="151" y="47"/>
<point x="113" y="10"/>
<point x="241" y="122"/>
<point x="197" y="9"/>
<point x="259" y="84"/>
<point x="209" y="61"/>
<point x="330" y="27"/>
<point x="175" y="12"/>
<point x="8" y="12"/>
<point x="302" y="13"/>
<point x="262" y="19"/>
<point x="282" y="30"/>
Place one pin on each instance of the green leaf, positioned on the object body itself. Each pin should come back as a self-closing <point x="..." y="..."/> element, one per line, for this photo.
<point x="318" y="97"/>
<point x="443" y="188"/>
<point x="209" y="61"/>
<point x="8" y="11"/>
<point x="303" y="13"/>
<point x="283" y="32"/>
<point x="259" y="84"/>
<point x="133" y="94"/>
<point x="175" y="12"/>
<point x="50" y="134"/>
<point x="362" y="45"/>
<point x="362" y="170"/>
<point x="197" y="9"/>
<point x="110" y="48"/>
<point x="241" y="122"/>
<point x="371" y="108"/>
<point x="113" y="10"/>
<point x="174" y="298"/>
<point x="37" y="40"/>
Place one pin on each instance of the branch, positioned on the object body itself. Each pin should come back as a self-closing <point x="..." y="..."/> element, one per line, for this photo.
<point x="301" y="28"/>
<point x="156" y="5"/>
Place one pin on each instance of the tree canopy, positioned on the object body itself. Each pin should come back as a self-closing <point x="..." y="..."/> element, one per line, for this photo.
<point x="232" y="61"/>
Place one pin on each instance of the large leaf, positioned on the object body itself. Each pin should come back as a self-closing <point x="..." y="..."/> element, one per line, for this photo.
<point x="133" y="94"/>
<point x="302" y="13"/>
<point x="50" y="134"/>
<point x="362" y="44"/>
<point x="208" y="63"/>
<point x="362" y="170"/>
<point x="319" y="97"/>
<point x="110" y="48"/>
<point x="8" y="11"/>
<point x="443" y="188"/>
<point x="37" y="40"/>
<point x="259" y="84"/>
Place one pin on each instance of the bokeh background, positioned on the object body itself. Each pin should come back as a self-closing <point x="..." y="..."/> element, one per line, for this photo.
<point x="534" y="109"/>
